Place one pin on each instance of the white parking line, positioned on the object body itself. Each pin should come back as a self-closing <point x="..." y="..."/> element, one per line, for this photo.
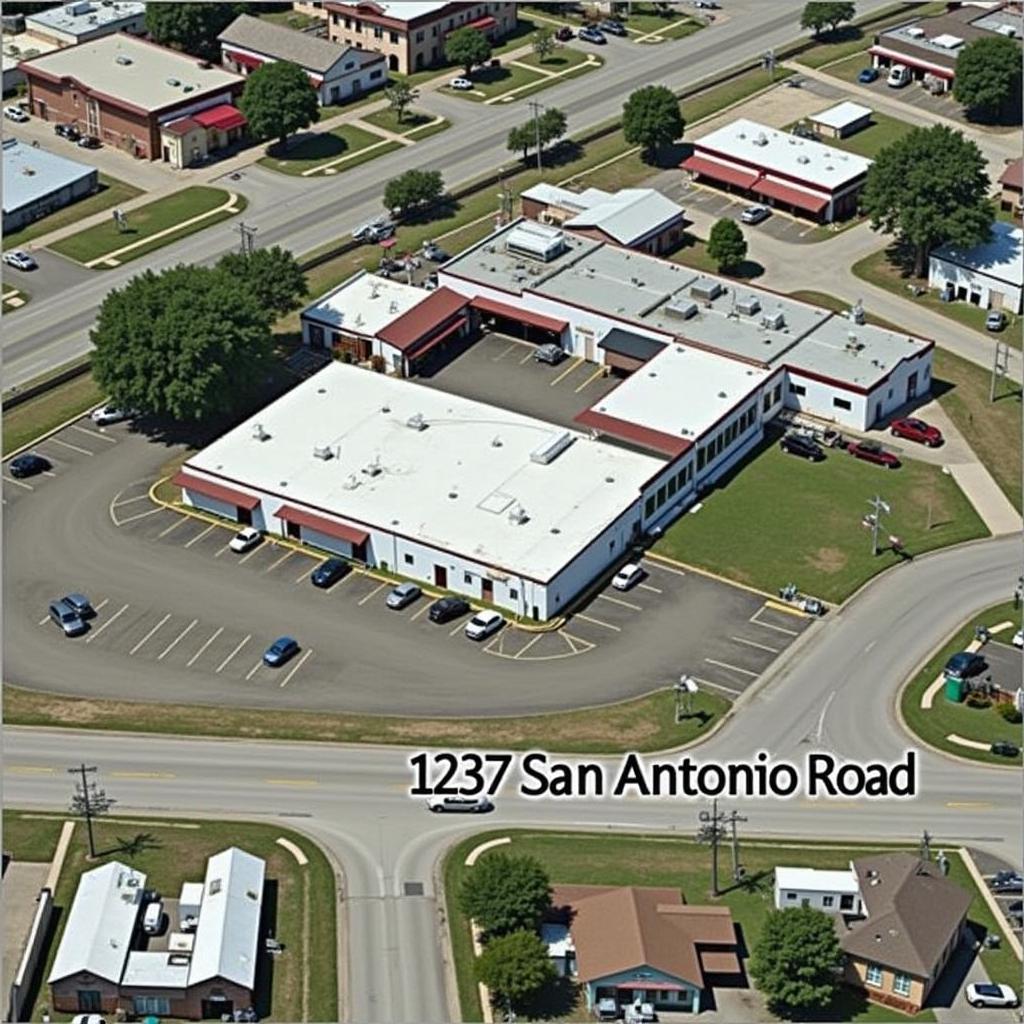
<point x="526" y="358"/>
<point x="732" y="668"/>
<point x="223" y="664"/>
<point x="718" y="686"/>
<point x="302" y="661"/>
<point x="659" y="567"/>
<point x="505" y="352"/>
<point x="461" y="625"/>
<point x="174" y="643"/>
<point x="200" y="536"/>
<point x="189" y="663"/>
<point x="754" y="643"/>
<point x="128" y="501"/>
<point x="413" y="618"/>
<point x="141" y="515"/>
<point x="44" y="620"/>
<point x="647" y="586"/>
<point x="113" y="618"/>
<point x="372" y="593"/>
<point x="597" y="622"/>
<point x="523" y="650"/>
<point x="305" y="574"/>
<point x="103" y="604"/>
<point x="283" y="558"/>
<point x="178" y="522"/>
<point x="93" y="433"/>
<point x="19" y="483"/>
<point x="768" y="625"/>
<point x="617" y="600"/>
<point x="254" y="670"/>
<point x="150" y="633"/>
<point x="72" y="447"/>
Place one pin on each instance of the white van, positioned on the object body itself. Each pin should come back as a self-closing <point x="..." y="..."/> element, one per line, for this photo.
<point x="153" y="918"/>
<point x="899" y="76"/>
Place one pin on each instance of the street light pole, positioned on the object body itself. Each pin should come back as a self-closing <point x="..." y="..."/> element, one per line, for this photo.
<point x="878" y="506"/>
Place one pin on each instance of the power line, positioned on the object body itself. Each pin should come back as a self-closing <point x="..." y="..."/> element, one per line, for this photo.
<point x="88" y="800"/>
<point x="248" y="234"/>
<point x="537" y="108"/>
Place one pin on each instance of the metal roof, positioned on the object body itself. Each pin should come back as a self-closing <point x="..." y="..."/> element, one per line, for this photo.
<point x="156" y="969"/>
<point x="816" y="880"/>
<point x="1002" y="257"/>
<point x="626" y="343"/>
<point x="280" y="43"/>
<point x="84" y="17"/>
<point x="841" y="115"/>
<point x="629" y="214"/>
<point x="32" y="173"/>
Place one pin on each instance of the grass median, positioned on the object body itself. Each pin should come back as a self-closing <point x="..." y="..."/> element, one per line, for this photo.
<point x="415" y="124"/>
<point x="881" y="132"/>
<point x="23" y="424"/>
<point x="348" y="143"/>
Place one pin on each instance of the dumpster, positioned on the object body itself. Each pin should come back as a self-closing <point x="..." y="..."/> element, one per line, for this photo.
<point x="955" y="689"/>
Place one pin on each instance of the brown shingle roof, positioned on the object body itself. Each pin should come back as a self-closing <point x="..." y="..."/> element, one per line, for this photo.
<point x="912" y="912"/>
<point x="1013" y="176"/>
<point x="433" y="311"/>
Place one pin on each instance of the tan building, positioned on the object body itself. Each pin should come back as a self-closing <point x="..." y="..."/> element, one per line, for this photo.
<point x="412" y="35"/>
<point x="1011" y="182"/>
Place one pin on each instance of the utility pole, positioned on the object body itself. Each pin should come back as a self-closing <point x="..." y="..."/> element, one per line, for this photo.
<point x="537" y="108"/>
<point x="738" y="870"/>
<point x="878" y="506"/>
<point x="1000" y="367"/>
<point x="712" y="830"/>
<point x="88" y="800"/>
<point x="926" y="845"/>
<point x="248" y="234"/>
<point x="769" y="62"/>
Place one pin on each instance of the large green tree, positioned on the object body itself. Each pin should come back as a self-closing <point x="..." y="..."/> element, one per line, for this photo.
<point x="272" y="275"/>
<point x="192" y="28"/>
<point x="467" y="47"/>
<point x="929" y="187"/>
<point x="651" y="118"/>
<point x="277" y="100"/>
<point x="505" y="893"/>
<point x="988" y="78"/>
<point x="513" y="967"/>
<point x="520" y="138"/>
<point x="817" y="16"/>
<point x="796" y="960"/>
<point x="411" y="189"/>
<point x="544" y="42"/>
<point x="187" y="343"/>
<point x="726" y="244"/>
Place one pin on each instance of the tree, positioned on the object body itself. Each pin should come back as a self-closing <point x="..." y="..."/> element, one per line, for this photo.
<point x="192" y="28"/>
<point x="521" y="138"/>
<point x="411" y="189"/>
<point x="187" y="343"/>
<point x="514" y="966"/>
<point x="651" y="118"/>
<point x="552" y="124"/>
<point x="400" y="96"/>
<point x="272" y="275"/>
<point x="467" y="47"/>
<point x="796" y="960"/>
<point x="504" y="893"/>
<point x="543" y="43"/>
<point x="726" y="244"/>
<point x="278" y="100"/>
<point x="929" y="187"/>
<point x="988" y="78"/>
<point x="817" y="15"/>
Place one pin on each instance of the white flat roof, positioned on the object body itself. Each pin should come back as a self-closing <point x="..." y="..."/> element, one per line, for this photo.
<point x="156" y="970"/>
<point x="24" y="46"/>
<point x="816" y="880"/>
<point x="85" y="16"/>
<point x="841" y="115"/>
<point x="31" y="173"/>
<point x="775" y="150"/>
<point x="1001" y="258"/>
<point x="558" y="939"/>
<point x="682" y="391"/>
<point x="405" y="10"/>
<point x="365" y="304"/>
<point x="144" y="81"/>
<point x="476" y="452"/>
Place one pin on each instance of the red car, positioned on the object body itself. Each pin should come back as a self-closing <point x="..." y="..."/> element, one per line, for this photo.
<point x="872" y="451"/>
<point x="916" y="430"/>
<point x="564" y="34"/>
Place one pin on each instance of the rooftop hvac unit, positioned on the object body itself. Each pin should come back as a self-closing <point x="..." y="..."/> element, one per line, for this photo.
<point x="803" y="158"/>
<point x="773" y="321"/>
<point x="323" y="451"/>
<point x="535" y="240"/>
<point x="948" y="42"/>
<point x="174" y="82"/>
<point x="258" y="433"/>
<point x="517" y="514"/>
<point x="373" y="469"/>
<point x="416" y="422"/>
<point x="705" y="289"/>
<point x="684" y="310"/>
<point x="761" y="140"/>
<point x="1007" y="30"/>
<point x="122" y="58"/>
<point x="915" y="32"/>
<point x="351" y="482"/>
<point x="748" y="306"/>
<point x="551" y="447"/>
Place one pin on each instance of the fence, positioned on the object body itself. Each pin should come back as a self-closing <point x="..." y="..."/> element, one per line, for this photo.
<point x="35" y="949"/>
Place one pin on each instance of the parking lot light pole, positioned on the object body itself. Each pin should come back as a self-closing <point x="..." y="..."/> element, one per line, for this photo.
<point x="878" y="506"/>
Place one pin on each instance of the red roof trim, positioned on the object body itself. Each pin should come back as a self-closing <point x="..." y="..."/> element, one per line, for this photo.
<point x="217" y="491"/>
<point x="667" y="444"/>
<point x="415" y="324"/>
<point x="701" y="165"/>
<point x="291" y="514"/>
<point x="223" y="117"/>
<point x="546" y="323"/>
<point x="244" y="58"/>
<point x="487" y="21"/>
<point x="438" y="338"/>
<point x="852" y="181"/>
<point x="793" y="196"/>
<point x="901" y="58"/>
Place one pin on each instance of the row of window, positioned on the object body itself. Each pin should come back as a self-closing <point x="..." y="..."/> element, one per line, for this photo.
<point x="668" y="490"/>
<point x="772" y="397"/>
<point x="467" y="577"/>
<point x="356" y="25"/>
<point x="900" y="982"/>
<point x="707" y="453"/>
<point x="837" y="403"/>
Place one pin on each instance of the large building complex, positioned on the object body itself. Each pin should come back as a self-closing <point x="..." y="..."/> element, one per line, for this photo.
<point x="37" y="182"/>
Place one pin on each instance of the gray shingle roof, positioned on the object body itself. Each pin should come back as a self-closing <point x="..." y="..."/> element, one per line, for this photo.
<point x="308" y="51"/>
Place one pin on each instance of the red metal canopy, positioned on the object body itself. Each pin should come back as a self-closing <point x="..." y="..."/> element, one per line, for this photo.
<point x="437" y="339"/>
<point x="482" y="23"/>
<point x="658" y="440"/>
<point x="545" y="323"/>
<point x="243" y="58"/>
<point x="712" y="169"/>
<point x="222" y="117"/>
<point x="217" y="491"/>
<point x="322" y="525"/>
<point x="651" y="986"/>
<point x="793" y="196"/>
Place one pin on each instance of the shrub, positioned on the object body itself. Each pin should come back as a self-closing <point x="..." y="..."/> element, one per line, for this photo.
<point x="978" y="700"/>
<point x="377" y="364"/>
<point x="1009" y="713"/>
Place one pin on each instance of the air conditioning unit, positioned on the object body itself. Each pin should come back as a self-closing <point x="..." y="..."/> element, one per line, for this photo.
<point x="684" y="310"/>
<point x="517" y="514"/>
<point x="706" y="290"/>
<point x="123" y="59"/>
<point x="774" y="321"/>
<point x="373" y="469"/>
<point x="416" y="422"/>
<point x="173" y="82"/>
<point x="323" y="451"/>
<point x="258" y="433"/>
<point x="748" y="306"/>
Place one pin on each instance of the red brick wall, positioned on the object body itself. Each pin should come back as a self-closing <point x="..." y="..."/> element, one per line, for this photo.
<point x="64" y="993"/>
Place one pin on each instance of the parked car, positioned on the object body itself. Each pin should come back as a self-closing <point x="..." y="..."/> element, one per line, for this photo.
<point x="28" y="464"/>
<point x="483" y="624"/>
<point x="802" y="445"/>
<point x="990" y="995"/>
<point x="867" y="75"/>
<point x="20" y="260"/>
<point x="280" y="651"/>
<point x="965" y="665"/>
<point x="107" y="414"/>
<point x="899" y="76"/>
<point x="1002" y="879"/>
<point x="706" y="5"/>
<point x="67" y="131"/>
<point x="88" y="1018"/>
<point x="81" y="604"/>
<point x="811" y="606"/>
<point x="444" y="609"/>
<point x="628" y="576"/>
<point x="326" y="574"/>
<point x="460" y="84"/>
<point x="1015" y="907"/>
<point x="755" y="214"/>
<point x="589" y="34"/>
<point x="995" y="321"/>
<point x="612" y="27"/>
<point x="66" y="618"/>
<point x="433" y="252"/>
<point x="374" y="230"/>
<point x="914" y="429"/>
<point x="402" y="596"/>
<point x="1018" y="638"/>
<point x="15" y="114"/>
<point x="1004" y="748"/>
<point x="872" y="451"/>
<point x="564" y="34"/>
<point x="89" y="142"/>
<point x="460" y="804"/>
<point x="549" y="353"/>
<point x="246" y="539"/>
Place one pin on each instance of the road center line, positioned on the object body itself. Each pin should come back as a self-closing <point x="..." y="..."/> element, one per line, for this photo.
<point x="189" y="663"/>
<point x="223" y="664"/>
<point x="174" y="643"/>
<point x="113" y="618"/>
<point x="302" y="661"/>
<point x="150" y="633"/>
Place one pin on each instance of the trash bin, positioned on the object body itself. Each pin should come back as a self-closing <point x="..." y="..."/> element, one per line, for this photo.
<point x="955" y="689"/>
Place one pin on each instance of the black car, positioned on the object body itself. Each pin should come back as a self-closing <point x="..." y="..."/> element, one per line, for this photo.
<point x="1004" y="748"/>
<point x="28" y="464"/>
<point x="67" y="131"/>
<point x="89" y="142"/>
<point x="1007" y="883"/>
<point x="800" y="444"/>
<point x="445" y="609"/>
<point x="326" y="574"/>
<point x="964" y="665"/>
<point x="615" y="28"/>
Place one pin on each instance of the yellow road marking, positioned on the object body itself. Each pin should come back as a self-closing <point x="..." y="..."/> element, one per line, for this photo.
<point x="291" y="782"/>
<point x="28" y="769"/>
<point x="565" y="373"/>
<point x="495" y="359"/>
<point x="143" y="775"/>
<point x="970" y="805"/>
<point x="784" y="608"/>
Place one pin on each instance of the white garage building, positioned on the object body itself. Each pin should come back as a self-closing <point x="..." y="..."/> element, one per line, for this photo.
<point x="990" y="275"/>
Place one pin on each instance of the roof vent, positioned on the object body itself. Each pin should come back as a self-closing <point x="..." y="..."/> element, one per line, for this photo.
<point x="551" y="447"/>
<point x="123" y="59"/>
<point x="684" y="309"/>
<point x="187" y="88"/>
<point x="351" y="482"/>
<point x="385" y="408"/>
<point x="373" y="469"/>
<point x="803" y="158"/>
<point x="915" y="32"/>
<point x="322" y="451"/>
<point x="174" y="82"/>
<point x="393" y="308"/>
<point x="761" y="140"/>
<point x="748" y="306"/>
<point x="416" y="422"/>
<point x="258" y="433"/>
<point x="496" y="441"/>
<point x="722" y="394"/>
<point x="517" y="514"/>
<point x="773" y="321"/>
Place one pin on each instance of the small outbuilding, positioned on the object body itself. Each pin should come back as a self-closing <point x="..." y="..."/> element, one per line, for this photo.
<point x="37" y="182"/>
<point x="841" y="120"/>
<point x="1011" y="184"/>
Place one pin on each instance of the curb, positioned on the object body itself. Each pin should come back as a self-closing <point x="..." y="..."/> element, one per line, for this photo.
<point x="979" y="881"/>
<point x="49" y="433"/>
<point x="658" y="557"/>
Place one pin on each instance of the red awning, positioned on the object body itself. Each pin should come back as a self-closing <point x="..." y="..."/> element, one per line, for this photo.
<point x="545" y="323"/>
<point x="244" y="58"/>
<point x="217" y="491"/>
<point x="482" y="24"/>
<point x="722" y="172"/>
<point x="222" y="117"/>
<point x="922" y="65"/>
<point x="437" y="339"/>
<point x="793" y="196"/>
<point x="351" y="534"/>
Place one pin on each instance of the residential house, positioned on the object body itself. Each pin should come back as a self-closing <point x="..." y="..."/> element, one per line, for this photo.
<point x="990" y="275"/>
<point x="1011" y="182"/>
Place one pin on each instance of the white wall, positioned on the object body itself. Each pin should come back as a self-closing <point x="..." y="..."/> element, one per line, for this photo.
<point x="816" y="898"/>
<point x="818" y="399"/>
<point x="940" y="271"/>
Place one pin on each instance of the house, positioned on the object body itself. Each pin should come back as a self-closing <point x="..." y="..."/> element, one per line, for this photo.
<point x="638" y="218"/>
<point x="336" y="72"/>
<point x="81" y="21"/>
<point x="411" y="35"/>
<point x="138" y="97"/>
<point x="805" y="177"/>
<point x="903" y="925"/>
<point x="37" y="182"/>
<point x="841" y="120"/>
<point x="990" y="275"/>
<point x="1011" y="183"/>
<point x="637" y="944"/>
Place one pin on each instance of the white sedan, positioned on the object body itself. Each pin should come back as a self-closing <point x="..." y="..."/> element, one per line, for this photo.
<point x="19" y="259"/>
<point x="628" y="576"/>
<point x="246" y="539"/>
<point x="1018" y="638"/>
<point x="483" y="624"/>
<point x="460" y="84"/>
<point x="108" y="414"/>
<point x="15" y="114"/>
<point x="991" y="995"/>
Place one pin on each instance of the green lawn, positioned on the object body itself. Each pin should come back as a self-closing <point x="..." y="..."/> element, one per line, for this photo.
<point x="23" y="423"/>
<point x="414" y="122"/>
<point x="882" y="131"/>
<point x="944" y="717"/>
<point x="491" y="82"/>
<point x="564" y="57"/>
<point x="849" y="68"/>
<point x="30" y="837"/>
<point x="292" y="19"/>
<point x="148" y="220"/>
<point x="646" y="19"/>
<point x="809" y="521"/>
<point x="172" y="852"/>
<point x="694" y="253"/>
<point x="322" y="147"/>
<point x="703" y="104"/>
<point x="588" y="858"/>
<point x="111" y="192"/>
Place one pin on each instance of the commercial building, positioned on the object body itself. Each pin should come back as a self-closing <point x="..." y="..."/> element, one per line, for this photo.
<point x="337" y="73"/>
<point x="841" y="120"/>
<point x="16" y="48"/>
<point x="37" y="182"/>
<point x="990" y="275"/>
<point x="800" y="175"/>
<point x="74" y="23"/>
<point x="138" y="97"/>
<point x="204" y="964"/>
<point x="638" y="218"/>
<point x="1011" y="184"/>
<point x="411" y="35"/>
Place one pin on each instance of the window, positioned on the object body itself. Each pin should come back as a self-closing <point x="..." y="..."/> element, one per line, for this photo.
<point x="701" y="458"/>
<point x="419" y="37"/>
<point x="841" y="403"/>
<point x="375" y="74"/>
<point x="89" y="1001"/>
<point x="791" y="896"/>
<point x="827" y="901"/>
<point x="797" y="389"/>
<point x="513" y="594"/>
<point x="393" y="37"/>
<point x="673" y="486"/>
<point x="145" y="1005"/>
<point x="378" y="32"/>
<point x="777" y="394"/>
<point x="407" y="558"/>
<point x="649" y="507"/>
<point x="873" y="975"/>
<point x="467" y="577"/>
<point x="901" y="984"/>
<point x="661" y="495"/>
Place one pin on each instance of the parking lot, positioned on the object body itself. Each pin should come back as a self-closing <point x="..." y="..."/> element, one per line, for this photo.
<point x="1009" y="903"/>
<point x="1004" y="662"/>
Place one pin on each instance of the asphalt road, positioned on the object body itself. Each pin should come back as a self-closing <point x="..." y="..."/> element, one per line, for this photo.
<point x="308" y="213"/>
